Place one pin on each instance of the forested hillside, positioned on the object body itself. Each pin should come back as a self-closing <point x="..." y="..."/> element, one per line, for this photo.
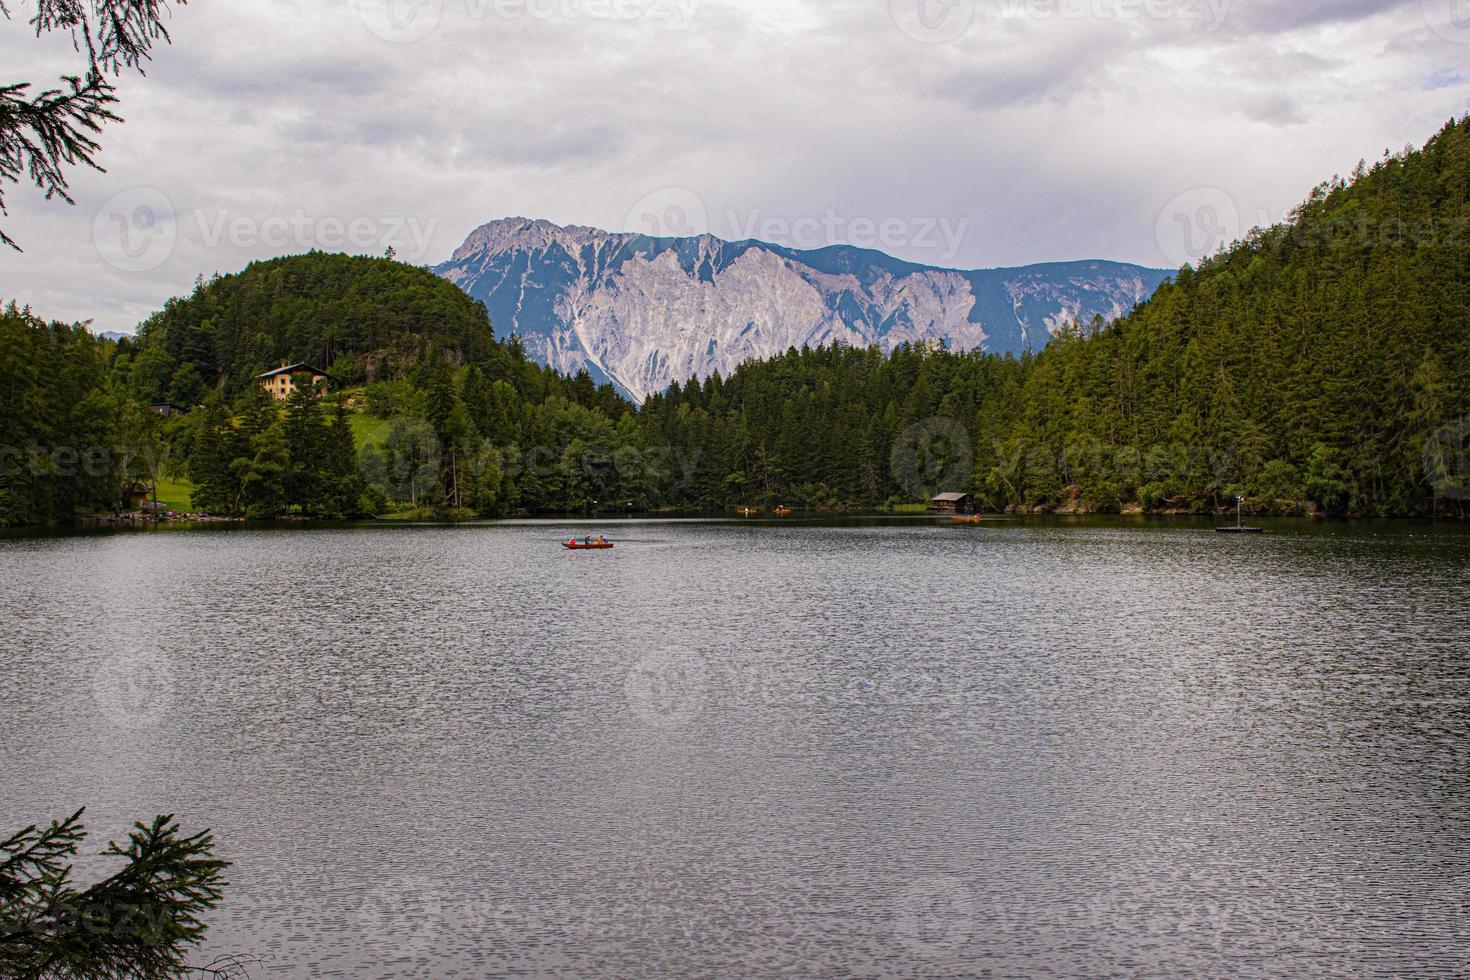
<point x="55" y="404"/>
<point x="342" y="313"/>
<point x="1309" y="367"/>
<point x="1320" y="366"/>
<point x="425" y="402"/>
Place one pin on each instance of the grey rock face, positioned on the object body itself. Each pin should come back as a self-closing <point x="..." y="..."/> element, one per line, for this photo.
<point x="643" y="312"/>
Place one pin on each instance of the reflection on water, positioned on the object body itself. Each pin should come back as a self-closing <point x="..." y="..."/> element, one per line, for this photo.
<point x="748" y="750"/>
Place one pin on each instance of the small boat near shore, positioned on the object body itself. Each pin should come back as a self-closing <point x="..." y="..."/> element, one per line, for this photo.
<point x="967" y="519"/>
<point x="783" y="512"/>
<point x="747" y="512"/>
<point x="601" y="544"/>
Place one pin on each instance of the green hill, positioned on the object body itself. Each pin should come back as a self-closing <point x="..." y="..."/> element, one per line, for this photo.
<point x="334" y="311"/>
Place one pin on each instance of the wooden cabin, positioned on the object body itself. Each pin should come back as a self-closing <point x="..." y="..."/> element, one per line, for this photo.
<point x="954" y="503"/>
<point x="135" y="495"/>
<point x="282" y="381"/>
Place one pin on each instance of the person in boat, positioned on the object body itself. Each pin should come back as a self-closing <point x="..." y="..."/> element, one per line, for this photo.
<point x="602" y="539"/>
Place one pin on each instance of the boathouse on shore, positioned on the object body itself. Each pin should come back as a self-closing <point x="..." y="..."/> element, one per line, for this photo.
<point x="954" y="503"/>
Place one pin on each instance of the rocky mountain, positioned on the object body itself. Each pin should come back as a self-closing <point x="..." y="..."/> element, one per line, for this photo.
<point x="643" y="312"/>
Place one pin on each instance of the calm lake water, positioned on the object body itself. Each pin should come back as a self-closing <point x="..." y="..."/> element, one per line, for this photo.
<point x="751" y="750"/>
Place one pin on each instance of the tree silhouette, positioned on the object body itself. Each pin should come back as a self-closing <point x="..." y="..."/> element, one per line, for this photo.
<point x="44" y="134"/>
<point x="138" y="923"/>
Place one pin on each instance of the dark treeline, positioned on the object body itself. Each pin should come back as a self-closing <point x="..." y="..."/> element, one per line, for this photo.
<point x="58" y="415"/>
<point x="1322" y="365"/>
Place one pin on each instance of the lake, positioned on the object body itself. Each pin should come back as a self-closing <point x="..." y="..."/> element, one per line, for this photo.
<point x="858" y="748"/>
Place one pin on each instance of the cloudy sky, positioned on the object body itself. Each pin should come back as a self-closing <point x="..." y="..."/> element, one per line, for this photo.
<point x="967" y="133"/>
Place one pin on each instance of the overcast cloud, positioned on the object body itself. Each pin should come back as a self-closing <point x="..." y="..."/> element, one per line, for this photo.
<point x="951" y="132"/>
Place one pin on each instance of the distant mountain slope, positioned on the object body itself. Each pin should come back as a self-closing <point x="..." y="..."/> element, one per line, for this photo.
<point x="644" y="312"/>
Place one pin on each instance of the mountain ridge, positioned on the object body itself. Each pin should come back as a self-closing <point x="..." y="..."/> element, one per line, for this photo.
<point x="643" y="312"/>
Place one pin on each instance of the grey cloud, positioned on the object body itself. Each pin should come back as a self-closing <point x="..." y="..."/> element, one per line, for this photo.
<point x="1054" y="138"/>
<point x="1273" y="18"/>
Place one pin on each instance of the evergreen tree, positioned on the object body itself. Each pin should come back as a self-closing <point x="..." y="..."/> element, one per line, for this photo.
<point x="306" y="480"/>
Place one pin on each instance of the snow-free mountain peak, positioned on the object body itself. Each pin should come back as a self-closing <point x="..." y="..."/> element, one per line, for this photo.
<point x="644" y="312"/>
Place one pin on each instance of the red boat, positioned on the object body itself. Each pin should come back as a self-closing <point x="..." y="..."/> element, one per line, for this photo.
<point x="600" y="545"/>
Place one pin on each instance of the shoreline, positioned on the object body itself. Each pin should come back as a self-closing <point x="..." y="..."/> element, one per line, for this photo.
<point x="1183" y="520"/>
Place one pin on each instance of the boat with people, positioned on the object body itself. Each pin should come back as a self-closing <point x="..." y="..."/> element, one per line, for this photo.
<point x="599" y="543"/>
<point x="747" y="511"/>
<point x="782" y="511"/>
<point x="967" y="519"/>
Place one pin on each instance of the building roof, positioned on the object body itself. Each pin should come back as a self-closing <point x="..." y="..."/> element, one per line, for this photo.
<point x="951" y="498"/>
<point x="293" y="369"/>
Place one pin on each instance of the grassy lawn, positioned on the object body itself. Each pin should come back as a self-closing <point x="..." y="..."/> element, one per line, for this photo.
<point x="174" y="494"/>
<point x="369" y="430"/>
